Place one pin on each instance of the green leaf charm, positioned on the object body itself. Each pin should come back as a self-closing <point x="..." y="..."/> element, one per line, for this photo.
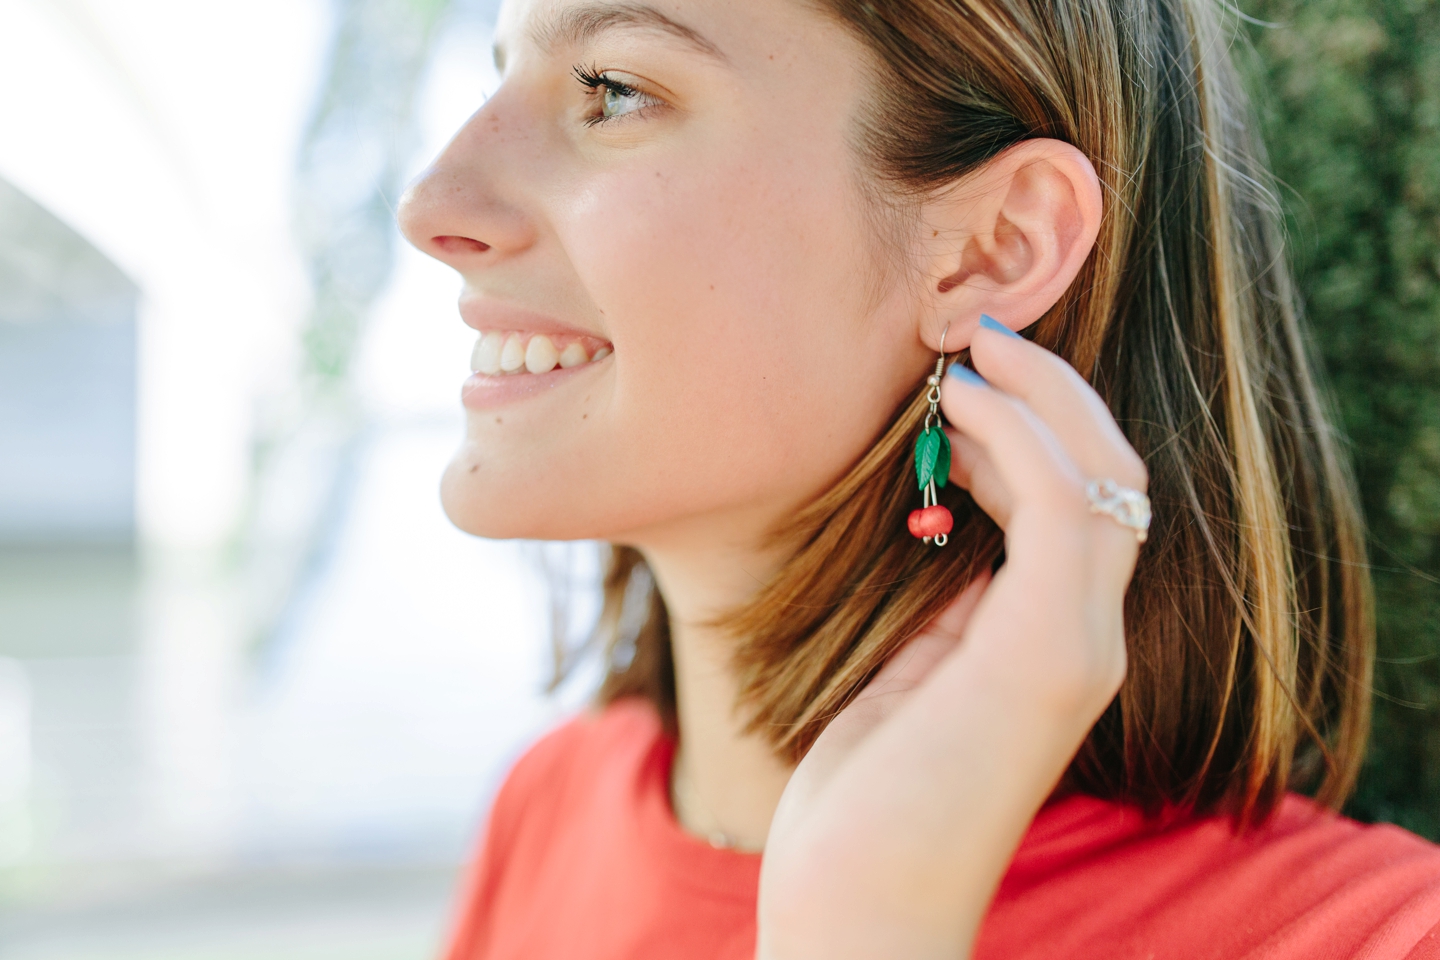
<point x="932" y="457"/>
<point x="942" y="460"/>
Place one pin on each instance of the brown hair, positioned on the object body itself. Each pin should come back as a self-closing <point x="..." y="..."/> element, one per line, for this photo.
<point x="1249" y="617"/>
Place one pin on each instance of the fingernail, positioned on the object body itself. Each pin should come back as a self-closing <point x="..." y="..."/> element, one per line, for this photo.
<point x="990" y="323"/>
<point x="967" y="376"/>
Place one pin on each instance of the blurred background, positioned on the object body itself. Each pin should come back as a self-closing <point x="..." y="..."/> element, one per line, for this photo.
<point x="254" y="690"/>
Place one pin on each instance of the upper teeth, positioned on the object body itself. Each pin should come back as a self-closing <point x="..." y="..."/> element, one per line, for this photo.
<point x="497" y="353"/>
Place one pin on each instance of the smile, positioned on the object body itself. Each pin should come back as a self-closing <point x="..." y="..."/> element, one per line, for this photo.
<point x="507" y="353"/>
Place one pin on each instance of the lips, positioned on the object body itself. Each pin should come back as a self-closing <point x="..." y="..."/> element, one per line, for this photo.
<point x="485" y="314"/>
<point x="521" y="354"/>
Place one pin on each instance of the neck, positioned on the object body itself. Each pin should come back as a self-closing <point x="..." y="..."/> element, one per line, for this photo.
<point x="729" y="781"/>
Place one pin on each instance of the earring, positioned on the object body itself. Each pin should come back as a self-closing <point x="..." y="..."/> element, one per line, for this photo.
<point x="932" y="522"/>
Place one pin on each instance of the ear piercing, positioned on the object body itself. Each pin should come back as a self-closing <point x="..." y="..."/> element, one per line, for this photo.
<point x="932" y="522"/>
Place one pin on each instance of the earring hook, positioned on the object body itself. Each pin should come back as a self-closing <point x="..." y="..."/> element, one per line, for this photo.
<point x="934" y="379"/>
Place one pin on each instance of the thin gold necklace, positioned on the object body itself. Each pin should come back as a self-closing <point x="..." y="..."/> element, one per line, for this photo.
<point x="684" y="798"/>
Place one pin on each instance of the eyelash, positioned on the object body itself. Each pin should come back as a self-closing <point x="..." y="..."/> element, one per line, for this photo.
<point x="594" y="80"/>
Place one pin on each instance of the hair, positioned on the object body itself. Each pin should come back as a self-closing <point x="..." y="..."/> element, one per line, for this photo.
<point x="1249" y="618"/>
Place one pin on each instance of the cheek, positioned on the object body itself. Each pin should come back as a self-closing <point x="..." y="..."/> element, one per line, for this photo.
<point x="734" y="300"/>
<point x="706" y="262"/>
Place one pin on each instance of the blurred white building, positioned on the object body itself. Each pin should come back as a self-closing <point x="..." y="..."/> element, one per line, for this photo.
<point x="67" y="383"/>
<point x="163" y="133"/>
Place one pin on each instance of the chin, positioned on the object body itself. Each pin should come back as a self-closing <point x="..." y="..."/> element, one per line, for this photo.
<point x="487" y="500"/>
<point x="487" y="506"/>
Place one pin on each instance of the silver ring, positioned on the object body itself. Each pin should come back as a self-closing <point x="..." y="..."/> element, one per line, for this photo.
<point x="1129" y="508"/>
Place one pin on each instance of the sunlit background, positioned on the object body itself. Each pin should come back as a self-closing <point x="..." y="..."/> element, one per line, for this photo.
<point x="254" y="690"/>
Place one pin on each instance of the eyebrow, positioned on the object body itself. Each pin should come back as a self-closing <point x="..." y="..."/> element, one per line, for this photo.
<point x="578" y="25"/>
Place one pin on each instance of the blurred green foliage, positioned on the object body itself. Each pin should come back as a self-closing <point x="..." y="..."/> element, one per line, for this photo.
<point x="1349" y="93"/>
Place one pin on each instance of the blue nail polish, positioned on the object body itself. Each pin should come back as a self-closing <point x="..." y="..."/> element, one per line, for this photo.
<point x="967" y="376"/>
<point x="990" y="323"/>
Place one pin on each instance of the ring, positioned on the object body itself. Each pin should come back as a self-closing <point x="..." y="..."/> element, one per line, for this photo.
<point x="1129" y="508"/>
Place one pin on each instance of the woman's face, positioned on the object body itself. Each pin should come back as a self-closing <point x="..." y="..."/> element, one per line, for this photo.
<point x="668" y="198"/>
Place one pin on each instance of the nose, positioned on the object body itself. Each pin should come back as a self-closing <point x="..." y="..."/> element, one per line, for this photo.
<point x="464" y="210"/>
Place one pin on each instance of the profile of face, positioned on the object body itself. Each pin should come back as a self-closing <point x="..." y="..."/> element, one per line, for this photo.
<point x="691" y="315"/>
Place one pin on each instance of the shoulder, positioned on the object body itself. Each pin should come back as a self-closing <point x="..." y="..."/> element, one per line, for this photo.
<point x="1335" y="879"/>
<point x="1326" y="882"/>
<point x="1368" y="868"/>
<point x="1305" y="883"/>
<point x="1328" y="852"/>
<point x="1300" y="820"/>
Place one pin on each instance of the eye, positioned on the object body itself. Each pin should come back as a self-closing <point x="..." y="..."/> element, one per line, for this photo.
<point x="618" y="100"/>
<point x="614" y="97"/>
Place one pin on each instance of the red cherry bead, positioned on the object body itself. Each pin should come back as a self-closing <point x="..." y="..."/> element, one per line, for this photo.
<point x="915" y="522"/>
<point x="938" y="520"/>
<point x="930" y="522"/>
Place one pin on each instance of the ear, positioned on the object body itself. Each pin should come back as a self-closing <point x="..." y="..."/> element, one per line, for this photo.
<point x="1008" y="239"/>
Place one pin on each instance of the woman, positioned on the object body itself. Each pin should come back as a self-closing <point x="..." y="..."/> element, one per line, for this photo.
<point x="714" y="249"/>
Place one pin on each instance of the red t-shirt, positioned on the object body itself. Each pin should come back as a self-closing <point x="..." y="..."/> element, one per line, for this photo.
<point x="583" y="860"/>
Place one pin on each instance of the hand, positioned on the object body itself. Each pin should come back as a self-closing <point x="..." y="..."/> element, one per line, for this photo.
<point x="899" y="823"/>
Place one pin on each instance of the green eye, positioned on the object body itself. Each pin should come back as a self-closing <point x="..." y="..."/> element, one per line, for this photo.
<point x="619" y="100"/>
<point x="616" y="98"/>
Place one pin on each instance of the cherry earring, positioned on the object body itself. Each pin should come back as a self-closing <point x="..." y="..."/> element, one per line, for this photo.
<point x="932" y="522"/>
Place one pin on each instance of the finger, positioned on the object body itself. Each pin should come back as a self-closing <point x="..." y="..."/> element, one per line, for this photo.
<point x="1014" y="444"/>
<point x="1078" y="418"/>
<point x="1050" y="528"/>
<point x="970" y="469"/>
<point x="1064" y="401"/>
